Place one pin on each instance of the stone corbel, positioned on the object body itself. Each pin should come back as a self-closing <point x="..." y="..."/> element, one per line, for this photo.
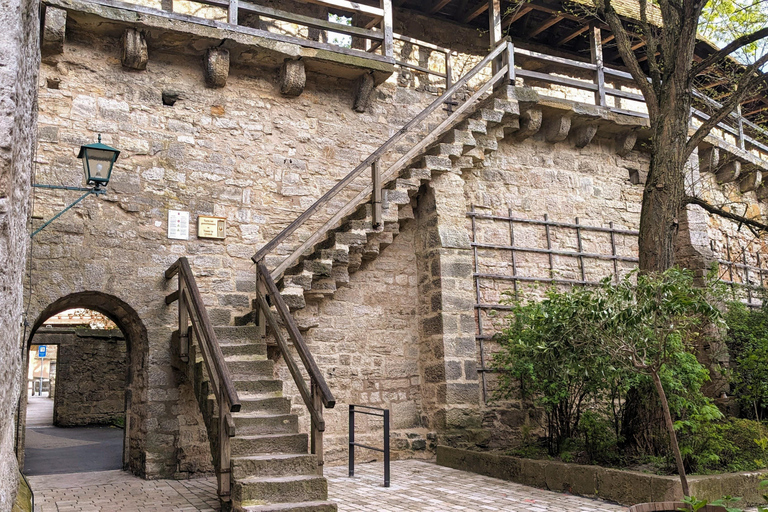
<point x="750" y="181"/>
<point x="584" y="134"/>
<point x="556" y="128"/>
<point x="216" y="67"/>
<point x="293" y="78"/>
<point x="729" y="171"/>
<point x="626" y="143"/>
<point x="762" y="192"/>
<point x="530" y="123"/>
<point x="135" y="54"/>
<point x="709" y="159"/>
<point x="364" y="88"/>
<point x="54" y="29"/>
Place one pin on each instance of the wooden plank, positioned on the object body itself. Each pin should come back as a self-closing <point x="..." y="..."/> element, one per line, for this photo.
<point x="480" y="9"/>
<point x="596" y="53"/>
<point x="576" y="33"/>
<point x="232" y="12"/>
<point x="376" y="180"/>
<point x="402" y="161"/>
<point x="557" y="80"/>
<point x="521" y="11"/>
<point x="554" y="20"/>
<point x="388" y="45"/>
<point x="437" y="6"/>
<point x="346" y="5"/>
<point x="756" y="111"/>
<point x="365" y="164"/>
<point x="296" y="337"/>
<point x="557" y="60"/>
<point x="419" y="42"/>
<point x="172" y="297"/>
<point x="419" y="68"/>
<point x="624" y="94"/>
<point x="494" y="21"/>
<point x="306" y="20"/>
<point x="206" y="334"/>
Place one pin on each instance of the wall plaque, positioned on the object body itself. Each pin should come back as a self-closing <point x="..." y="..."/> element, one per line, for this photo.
<point x="178" y="225"/>
<point x="211" y="227"/>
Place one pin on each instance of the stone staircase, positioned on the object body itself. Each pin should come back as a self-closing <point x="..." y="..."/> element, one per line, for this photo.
<point x="328" y="267"/>
<point x="271" y="468"/>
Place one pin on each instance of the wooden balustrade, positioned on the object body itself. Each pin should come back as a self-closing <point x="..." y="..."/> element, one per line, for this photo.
<point x="317" y="394"/>
<point x="192" y="309"/>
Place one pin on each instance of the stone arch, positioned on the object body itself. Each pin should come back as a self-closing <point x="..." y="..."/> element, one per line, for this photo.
<point x="135" y="332"/>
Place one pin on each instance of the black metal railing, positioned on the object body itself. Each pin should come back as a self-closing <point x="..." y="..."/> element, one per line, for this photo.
<point x="384" y="413"/>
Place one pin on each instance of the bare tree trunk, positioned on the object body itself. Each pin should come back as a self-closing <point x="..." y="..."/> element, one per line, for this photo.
<point x="671" y="430"/>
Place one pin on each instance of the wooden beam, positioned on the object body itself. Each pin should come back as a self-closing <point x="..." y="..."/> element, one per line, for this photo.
<point x="639" y="45"/>
<point x="756" y="111"/>
<point x="494" y="30"/>
<point x="522" y="11"/>
<point x="437" y="6"/>
<point x="544" y="26"/>
<point x="609" y="38"/>
<point x="596" y="55"/>
<point x="715" y="83"/>
<point x="480" y="9"/>
<point x="572" y="35"/>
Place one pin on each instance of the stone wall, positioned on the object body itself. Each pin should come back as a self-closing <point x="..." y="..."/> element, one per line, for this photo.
<point x="92" y="368"/>
<point x="243" y="152"/>
<point x="18" y="132"/>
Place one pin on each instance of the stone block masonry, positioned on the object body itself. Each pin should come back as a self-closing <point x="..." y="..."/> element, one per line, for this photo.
<point x="19" y="61"/>
<point x="91" y="373"/>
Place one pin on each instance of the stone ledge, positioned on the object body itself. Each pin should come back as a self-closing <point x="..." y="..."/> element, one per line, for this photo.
<point x="174" y="32"/>
<point x="624" y="487"/>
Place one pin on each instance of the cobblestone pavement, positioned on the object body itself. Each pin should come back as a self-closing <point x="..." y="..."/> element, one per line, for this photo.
<point x="416" y="486"/>
<point x="118" y="491"/>
<point x="426" y="487"/>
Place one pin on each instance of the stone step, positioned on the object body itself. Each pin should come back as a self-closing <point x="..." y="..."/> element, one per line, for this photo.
<point x="274" y="465"/>
<point x="269" y="443"/>
<point x="263" y="404"/>
<point x="307" y="506"/>
<point x="256" y="385"/>
<point x="250" y="367"/>
<point x="489" y="116"/>
<point x="244" y="349"/>
<point x="396" y="196"/>
<point x="462" y="137"/>
<point x="293" y="296"/>
<point x="475" y="126"/>
<point x="341" y="275"/>
<point x="301" y="280"/>
<point x="446" y="149"/>
<point x="284" y="489"/>
<point x="436" y="163"/>
<point x="418" y="173"/>
<point x="350" y="237"/>
<point x="254" y="423"/>
<point x="488" y="143"/>
<point x="236" y="335"/>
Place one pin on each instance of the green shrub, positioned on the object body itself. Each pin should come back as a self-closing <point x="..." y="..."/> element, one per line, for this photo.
<point x="747" y="342"/>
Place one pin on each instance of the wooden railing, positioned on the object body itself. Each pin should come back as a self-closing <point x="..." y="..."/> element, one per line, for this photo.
<point x="379" y="17"/>
<point x="317" y="394"/>
<point x="191" y="308"/>
<point x="506" y="72"/>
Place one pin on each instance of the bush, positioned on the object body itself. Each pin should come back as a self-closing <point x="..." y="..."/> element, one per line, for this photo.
<point x="747" y="342"/>
<point x="734" y="444"/>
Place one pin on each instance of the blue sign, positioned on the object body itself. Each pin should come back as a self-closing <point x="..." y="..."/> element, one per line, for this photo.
<point x="41" y="351"/>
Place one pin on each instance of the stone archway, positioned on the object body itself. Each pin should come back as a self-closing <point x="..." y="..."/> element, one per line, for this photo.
<point x="132" y="327"/>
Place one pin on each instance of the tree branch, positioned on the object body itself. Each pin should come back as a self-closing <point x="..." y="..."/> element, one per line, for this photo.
<point x="624" y="45"/>
<point x="734" y="45"/>
<point x="747" y="82"/>
<point x="651" y="46"/>
<point x="714" y="210"/>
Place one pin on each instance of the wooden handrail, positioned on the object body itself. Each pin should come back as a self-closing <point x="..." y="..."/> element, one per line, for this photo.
<point x="366" y="164"/>
<point x="192" y="309"/>
<point x="317" y="394"/>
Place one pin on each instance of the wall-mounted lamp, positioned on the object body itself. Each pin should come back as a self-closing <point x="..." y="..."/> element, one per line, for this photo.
<point x="98" y="160"/>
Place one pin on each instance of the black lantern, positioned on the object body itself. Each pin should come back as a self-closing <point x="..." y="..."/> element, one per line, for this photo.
<point x="98" y="160"/>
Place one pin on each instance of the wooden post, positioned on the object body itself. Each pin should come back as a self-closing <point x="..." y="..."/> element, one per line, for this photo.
<point x="596" y="49"/>
<point x="224" y="469"/>
<point x="317" y="434"/>
<point x="494" y="29"/>
<point x="741" y="126"/>
<point x="183" y="322"/>
<point x="388" y="45"/>
<point x="509" y="60"/>
<point x="376" y="206"/>
<point x="232" y="13"/>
